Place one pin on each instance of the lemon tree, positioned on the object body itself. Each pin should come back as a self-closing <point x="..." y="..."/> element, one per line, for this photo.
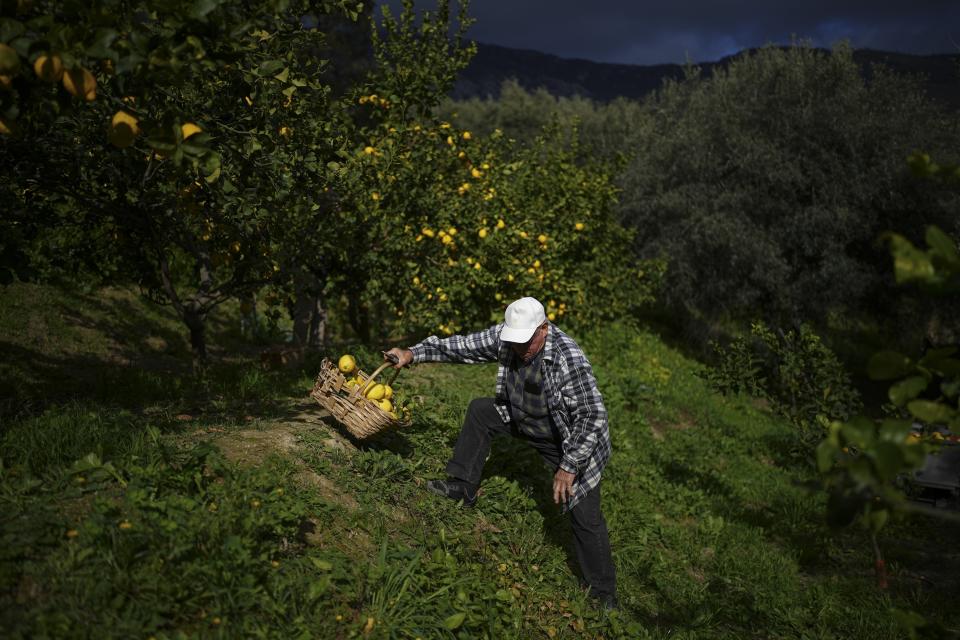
<point x="447" y="227"/>
<point x="462" y="225"/>
<point x="171" y="151"/>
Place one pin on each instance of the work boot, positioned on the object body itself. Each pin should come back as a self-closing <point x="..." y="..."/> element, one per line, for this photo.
<point x="607" y="601"/>
<point x="455" y="490"/>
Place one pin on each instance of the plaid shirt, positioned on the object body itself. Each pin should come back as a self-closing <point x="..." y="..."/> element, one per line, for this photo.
<point x="528" y="402"/>
<point x="570" y="387"/>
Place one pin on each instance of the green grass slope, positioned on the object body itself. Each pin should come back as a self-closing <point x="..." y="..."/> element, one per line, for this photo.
<point x="235" y="509"/>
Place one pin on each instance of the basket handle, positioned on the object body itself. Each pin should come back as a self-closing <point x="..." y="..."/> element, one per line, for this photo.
<point x="389" y="361"/>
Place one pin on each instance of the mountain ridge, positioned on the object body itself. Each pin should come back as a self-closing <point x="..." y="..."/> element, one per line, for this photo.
<point x="604" y="81"/>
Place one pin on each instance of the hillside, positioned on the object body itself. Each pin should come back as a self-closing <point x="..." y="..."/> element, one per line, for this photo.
<point x="237" y="508"/>
<point x="603" y="81"/>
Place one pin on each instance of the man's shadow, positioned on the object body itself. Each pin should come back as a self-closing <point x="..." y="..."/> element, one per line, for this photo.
<point x="516" y="460"/>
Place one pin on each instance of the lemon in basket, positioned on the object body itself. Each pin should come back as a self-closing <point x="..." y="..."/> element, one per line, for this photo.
<point x="375" y="392"/>
<point x="387" y="392"/>
<point x="386" y="405"/>
<point x="347" y="364"/>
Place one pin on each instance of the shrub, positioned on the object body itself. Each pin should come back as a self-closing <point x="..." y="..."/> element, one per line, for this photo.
<point x="794" y="371"/>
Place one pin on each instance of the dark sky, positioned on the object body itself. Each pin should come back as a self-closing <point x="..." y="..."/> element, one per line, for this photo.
<point x="644" y="32"/>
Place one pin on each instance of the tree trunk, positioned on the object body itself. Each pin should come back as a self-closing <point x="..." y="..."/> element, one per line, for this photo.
<point x="302" y="316"/>
<point x="305" y="309"/>
<point x="249" y="325"/>
<point x="359" y="319"/>
<point x="195" y="319"/>
<point x="318" y="326"/>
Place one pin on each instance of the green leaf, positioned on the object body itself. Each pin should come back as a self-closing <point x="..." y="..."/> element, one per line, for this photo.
<point x="454" y="621"/>
<point x="10" y="29"/>
<point x="929" y="411"/>
<point x="877" y="519"/>
<point x="102" y="41"/>
<point x="322" y="565"/>
<point x="283" y="76"/>
<point x="888" y="365"/>
<point x="211" y="167"/>
<point x="202" y="7"/>
<point x="270" y="67"/>
<point x="893" y="430"/>
<point x="826" y="453"/>
<point x="909" y="263"/>
<point x="887" y="459"/>
<point x="943" y="246"/>
<point x="907" y="389"/>
<point x="859" y="431"/>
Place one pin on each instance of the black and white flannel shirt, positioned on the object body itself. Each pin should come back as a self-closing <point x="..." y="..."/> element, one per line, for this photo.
<point x="569" y="385"/>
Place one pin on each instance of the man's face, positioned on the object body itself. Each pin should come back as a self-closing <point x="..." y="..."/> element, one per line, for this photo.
<point x="531" y="347"/>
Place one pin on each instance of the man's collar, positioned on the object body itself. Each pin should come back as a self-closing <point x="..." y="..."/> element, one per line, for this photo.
<point x="548" y="343"/>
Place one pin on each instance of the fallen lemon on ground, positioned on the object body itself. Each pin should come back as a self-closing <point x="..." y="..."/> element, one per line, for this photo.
<point x="347" y="364"/>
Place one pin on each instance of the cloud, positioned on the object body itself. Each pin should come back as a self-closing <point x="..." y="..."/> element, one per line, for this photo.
<point x="642" y="32"/>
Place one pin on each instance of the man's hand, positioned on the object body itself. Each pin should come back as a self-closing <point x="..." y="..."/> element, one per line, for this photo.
<point x="403" y="356"/>
<point x="563" y="486"/>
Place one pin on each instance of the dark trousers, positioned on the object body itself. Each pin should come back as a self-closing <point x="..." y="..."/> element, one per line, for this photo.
<point x="590" y="535"/>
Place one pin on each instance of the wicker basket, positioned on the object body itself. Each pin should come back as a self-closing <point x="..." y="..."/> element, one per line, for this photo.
<point x="361" y="417"/>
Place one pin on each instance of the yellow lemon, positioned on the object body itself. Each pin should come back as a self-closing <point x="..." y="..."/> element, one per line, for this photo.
<point x="385" y="404"/>
<point x="482" y="233"/>
<point x="347" y="364"/>
<point x="48" y="68"/>
<point x="578" y="226"/>
<point x="387" y="392"/>
<point x="375" y="392"/>
<point x="501" y="224"/>
<point x="393" y="414"/>
<point x="542" y="238"/>
<point x="80" y="83"/>
<point x="189" y="129"/>
<point x="124" y="128"/>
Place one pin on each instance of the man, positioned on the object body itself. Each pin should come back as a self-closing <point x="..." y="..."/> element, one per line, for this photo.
<point x="546" y="394"/>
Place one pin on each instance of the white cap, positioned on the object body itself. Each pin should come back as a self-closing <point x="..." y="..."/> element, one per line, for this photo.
<point x="522" y="318"/>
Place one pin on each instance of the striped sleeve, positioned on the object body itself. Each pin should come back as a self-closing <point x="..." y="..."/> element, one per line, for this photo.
<point x="588" y="416"/>
<point x="472" y="348"/>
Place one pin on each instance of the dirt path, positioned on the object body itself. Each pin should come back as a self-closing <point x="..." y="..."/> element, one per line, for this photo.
<point x="285" y="438"/>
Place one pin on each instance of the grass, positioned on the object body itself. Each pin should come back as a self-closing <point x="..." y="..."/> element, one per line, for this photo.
<point x="173" y="510"/>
